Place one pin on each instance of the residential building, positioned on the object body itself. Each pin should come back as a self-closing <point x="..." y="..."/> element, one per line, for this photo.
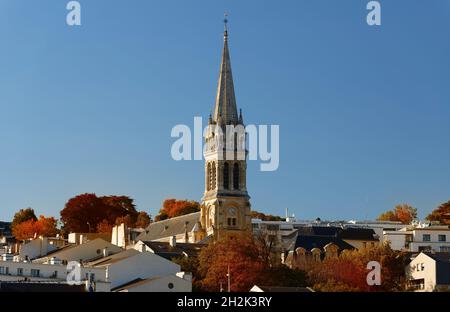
<point x="131" y="266"/>
<point x="92" y="250"/>
<point x="169" y="283"/>
<point x="55" y="273"/>
<point x="420" y="238"/>
<point x="429" y="272"/>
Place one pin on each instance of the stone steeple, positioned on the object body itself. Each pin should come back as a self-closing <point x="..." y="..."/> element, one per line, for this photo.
<point x="225" y="110"/>
<point x="226" y="208"/>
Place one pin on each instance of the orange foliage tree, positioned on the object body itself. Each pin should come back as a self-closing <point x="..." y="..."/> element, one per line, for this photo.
<point x="264" y="217"/>
<point x="348" y="272"/>
<point x="143" y="220"/>
<point x="403" y="213"/>
<point x="29" y="229"/>
<point x="441" y="214"/>
<point x="22" y="216"/>
<point x="174" y="208"/>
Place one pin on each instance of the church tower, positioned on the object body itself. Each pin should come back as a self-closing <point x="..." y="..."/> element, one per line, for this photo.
<point x="226" y="207"/>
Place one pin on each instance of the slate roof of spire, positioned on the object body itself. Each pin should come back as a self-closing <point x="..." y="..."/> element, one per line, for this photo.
<point x="225" y="108"/>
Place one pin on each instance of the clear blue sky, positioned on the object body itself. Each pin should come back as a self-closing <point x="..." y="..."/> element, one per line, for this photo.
<point x="363" y="112"/>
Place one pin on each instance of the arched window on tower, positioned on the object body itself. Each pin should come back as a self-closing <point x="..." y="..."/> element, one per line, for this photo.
<point x="213" y="176"/>
<point x="208" y="177"/>
<point x="236" y="176"/>
<point x="226" y="174"/>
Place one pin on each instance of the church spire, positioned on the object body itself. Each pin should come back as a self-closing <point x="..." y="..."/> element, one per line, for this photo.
<point x="225" y="108"/>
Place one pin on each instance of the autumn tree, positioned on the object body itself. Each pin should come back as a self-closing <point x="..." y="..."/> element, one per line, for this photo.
<point x="441" y="214"/>
<point x="248" y="262"/>
<point x="348" y="271"/>
<point x="265" y="217"/>
<point x="239" y="254"/>
<point x="127" y="220"/>
<point x="83" y="213"/>
<point x="403" y="213"/>
<point x="143" y="220"/>
<point x="174" y="208"/>
<point x="190" y="264"/>
<point x="32" y="228"/>
<point x="104" y="227"/>
<point x="22" y="216"/>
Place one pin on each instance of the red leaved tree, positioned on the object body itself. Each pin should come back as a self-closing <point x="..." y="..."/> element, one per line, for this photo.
<point x="240" y="255"/>
<point x="85" y="212"/>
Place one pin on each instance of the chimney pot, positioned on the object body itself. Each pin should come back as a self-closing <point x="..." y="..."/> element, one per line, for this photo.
<point x="173" y="241"/>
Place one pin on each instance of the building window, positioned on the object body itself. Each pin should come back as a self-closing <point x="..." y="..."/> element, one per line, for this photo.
<point x="213" y="176"/>
<point x="442" y="238"/>
<point x="90" y="277"/>
<point x="231" y="221"/>
<point x="364" y="245"/>
<point x="236" y="176"/>
<point x="208" y="177"/>
<point x="35" y="273"/>
<point x="426" y="237"/>
<point x="444" y="249"/>
<point x="226" y="175"/>
<point x="19" y="271"/>
<point x="2" y="270"/>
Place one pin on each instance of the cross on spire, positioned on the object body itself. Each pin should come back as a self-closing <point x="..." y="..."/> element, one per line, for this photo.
<point x="225" y="20"/>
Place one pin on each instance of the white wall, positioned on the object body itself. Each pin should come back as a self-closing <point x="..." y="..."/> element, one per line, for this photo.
<point x="47" y="273"/>
<point x="397" y="240"/>
<point x="162" y="285"/>
<point x="434" y="242"/>
<point x="38" y="247"/>
<point x="423" y="267"/>
<point x="142" y="265"/>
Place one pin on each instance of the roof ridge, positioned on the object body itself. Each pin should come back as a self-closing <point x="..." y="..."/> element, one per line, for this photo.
<point x="167" y="220"/>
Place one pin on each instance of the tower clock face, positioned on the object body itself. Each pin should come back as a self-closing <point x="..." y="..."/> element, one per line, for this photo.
<point x="232" y="211"/>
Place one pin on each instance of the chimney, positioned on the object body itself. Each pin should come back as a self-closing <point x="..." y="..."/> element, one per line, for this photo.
<point x="143" y="249"/>
<point x="173" y="241"/>
<point x="105" y="252"/>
